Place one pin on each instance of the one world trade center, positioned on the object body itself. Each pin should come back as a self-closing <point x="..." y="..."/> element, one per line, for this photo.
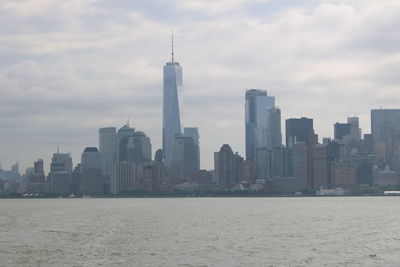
<point x="172" y="106"/>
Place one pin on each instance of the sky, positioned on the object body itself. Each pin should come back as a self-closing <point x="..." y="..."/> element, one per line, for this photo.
<point x="68" y="68"/>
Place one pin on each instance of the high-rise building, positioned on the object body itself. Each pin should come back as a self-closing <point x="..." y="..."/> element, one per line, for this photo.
<point x="139" y="148"/>
<point x="91" y="181"/>
<point x="172" y="107"/>
<point x="299" y="162"/>
<point x="257" y="131"/>
<point x="323" y="156"/>
<point x="274" y="120"/>
<point x="158" y="157"/>
<point x="383" y="121"/>
<point x="341" y="130"/>
<point x="108" y="148"/>
<point x="355" y="130"/>
<point x="124" y="177"/>
<point x="185" y="161"/>
<point x="227" y="167"/>
<point x="298" y="130"/>
<point x="156" y="177"/>
<point x="193" y="132"/>
<point x="60" y="175"/>
<point x="37" y="179"/>
<point x="123" y="136"/>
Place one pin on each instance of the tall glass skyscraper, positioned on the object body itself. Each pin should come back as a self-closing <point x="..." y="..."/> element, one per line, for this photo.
<point x="257" y="105"/>
<point x="258" y="129"/>
<point x="172" y="106"/>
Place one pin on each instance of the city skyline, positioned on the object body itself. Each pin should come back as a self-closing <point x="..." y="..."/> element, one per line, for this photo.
<point x="60" y="93"/>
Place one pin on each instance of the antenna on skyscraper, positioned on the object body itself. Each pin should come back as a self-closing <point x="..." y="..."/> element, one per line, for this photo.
<point x="58" y="149"/>
<point x="172" y="41"/>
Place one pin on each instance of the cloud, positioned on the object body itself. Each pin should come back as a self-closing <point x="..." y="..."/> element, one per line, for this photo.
<point x="69" y="68"/>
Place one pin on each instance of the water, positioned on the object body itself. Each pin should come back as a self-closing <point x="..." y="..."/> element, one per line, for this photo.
<point x="350" y="231"/>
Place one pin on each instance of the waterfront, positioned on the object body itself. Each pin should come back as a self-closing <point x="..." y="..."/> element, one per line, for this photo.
<point x="352" y="231"/>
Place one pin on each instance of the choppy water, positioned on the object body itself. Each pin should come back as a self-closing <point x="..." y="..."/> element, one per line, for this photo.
<point x="350" y="231"/>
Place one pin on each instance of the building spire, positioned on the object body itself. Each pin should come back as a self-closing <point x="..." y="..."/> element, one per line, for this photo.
<point x="172" y="41"/>
<point x="58" y="149"/>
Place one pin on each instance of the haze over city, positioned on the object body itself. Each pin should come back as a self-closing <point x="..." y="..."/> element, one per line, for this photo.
<point x="70" y="68"/>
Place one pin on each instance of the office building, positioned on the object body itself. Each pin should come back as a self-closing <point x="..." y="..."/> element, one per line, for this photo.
<point x="299" y="163"/>
<point x="274" y="121"/>
<point x="383" y="122"/>
<point x="227" y="167"/>
<point x="91" y="182"/>
<point x="172" y="107"/>
<point x="125" y="177"/>
<point x="123" y="136"/>
<point x="257" y="122"/>
<point x="60" y="173"/>
<point x="108" y="148"/>
<point x="185" y="160"/>
<point x="298" y="130"/>
<point x="139" y="148"/>
<point x="37" y="179"/>
<point x="193" y="132"/>
<point x="341" y="130"/>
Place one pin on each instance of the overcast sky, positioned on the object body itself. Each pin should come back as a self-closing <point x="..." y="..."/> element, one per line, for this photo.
<point x="70" y="67"/>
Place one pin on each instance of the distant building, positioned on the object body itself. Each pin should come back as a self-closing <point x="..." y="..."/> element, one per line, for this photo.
<point x="247" y="172"/>
<point x="227" y="167"/>
<point x="156" y="177"/>
<point x="277" y="168"/>
<point x="355" y="130"/>
<point x="91" y="182"/>
<point x="123" y="136"/>
<point x="344" y="174"/>
<point x="185" y="161"/>
<point x="139" y="148"/>
<point x="60" y="173"/>
<point x="260" y="114"/>
<point x="172" y="107"/>
<point x="193" y="132"/>
<point x="323" y="155"/>
<point x="383" y="121"/>
<point x="108" y="148"/>
<point x="37" y="179"/>
<point x="341" y="130"/>
<point x="274" y="121"/>
<point x="125" y="177"/>
<point x="202" y="177"/>
<point x="298" y="130"/>
<point x="159" y="156"/>
<point x="299" y="163"/>
<point x="385" y="178"/>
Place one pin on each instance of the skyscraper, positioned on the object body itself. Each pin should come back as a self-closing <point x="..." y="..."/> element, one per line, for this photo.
<point x="108" y="148"/>
<point x="257" y="105"/>
<point x="139" y="148"/>
<point x="193" y="132"/>
<point x="184" y="163"/>
<point x="91" y="176"/>
<point x="298" y="130"/>
<point x="274" y="120"/>
<point x="123" y="136"/>
<point x="60" y="173"/>
<point x="341" y="130"/>
<point x="383" y="122"/>
<point x="227" y="167"/>
<point x="172" y="106"/>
